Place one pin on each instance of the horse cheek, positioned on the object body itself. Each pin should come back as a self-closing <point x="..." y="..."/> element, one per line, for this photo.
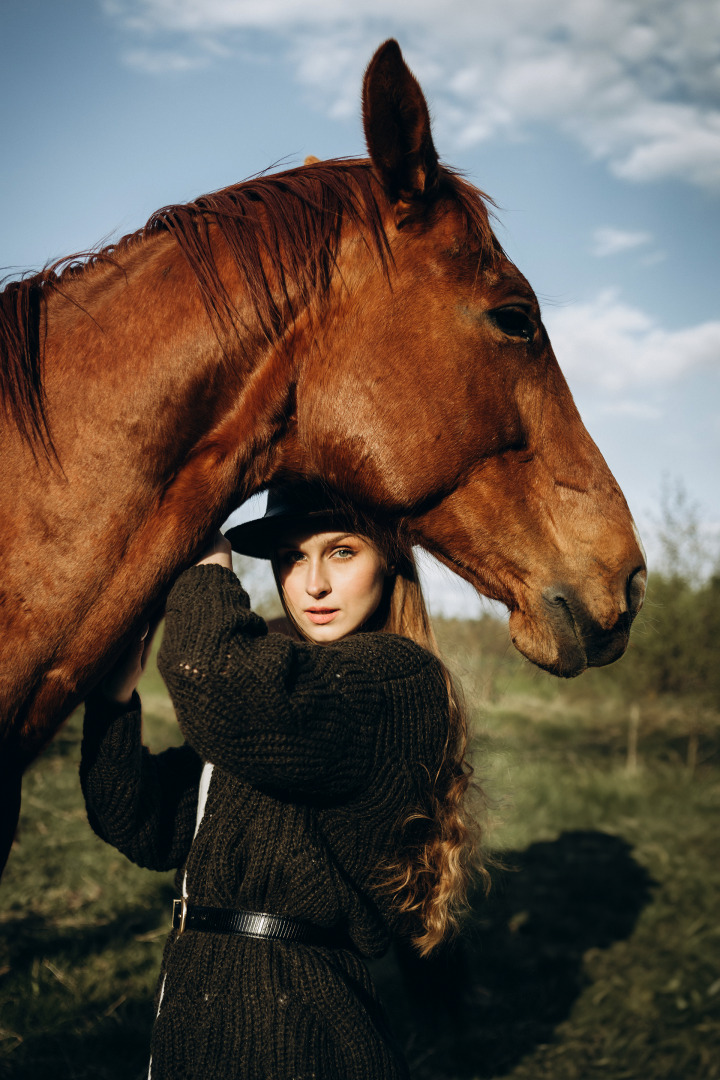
<point x="351" y="441"/>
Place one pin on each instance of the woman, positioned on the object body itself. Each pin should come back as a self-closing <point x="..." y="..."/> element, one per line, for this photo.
<point x="315" y="808"/>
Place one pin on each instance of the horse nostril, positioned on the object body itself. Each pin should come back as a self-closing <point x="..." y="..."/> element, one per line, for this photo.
<point x="636" y="585"/>
<point x="559" y="606"/>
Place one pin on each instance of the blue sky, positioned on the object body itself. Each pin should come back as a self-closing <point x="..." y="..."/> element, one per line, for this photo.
<point x="594" y="125"/>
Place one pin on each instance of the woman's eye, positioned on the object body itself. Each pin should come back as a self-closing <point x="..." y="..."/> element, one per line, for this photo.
<point x="514" y="322"/>
<point x="344" y="553"/>
<point x="289" y="558"/>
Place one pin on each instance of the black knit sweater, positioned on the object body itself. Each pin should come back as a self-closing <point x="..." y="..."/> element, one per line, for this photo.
<point x="319" y="752"/>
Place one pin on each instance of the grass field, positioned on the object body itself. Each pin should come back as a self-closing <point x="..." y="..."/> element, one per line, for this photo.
<point x="596" y="955"/>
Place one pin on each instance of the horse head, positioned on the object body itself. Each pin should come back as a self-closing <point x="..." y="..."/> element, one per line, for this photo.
<point x="431" y="391"/>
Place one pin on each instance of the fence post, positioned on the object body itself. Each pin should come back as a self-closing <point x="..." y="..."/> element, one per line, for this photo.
<point x="631" y="765"/>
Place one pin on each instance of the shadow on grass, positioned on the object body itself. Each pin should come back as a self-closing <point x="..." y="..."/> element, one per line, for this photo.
<point x="115" y="1047"/>
<point x="474" y="1012"/>
<point x="31" y="935"/>
<point x="72" y="1039"/>
<point x="493" y="997"/>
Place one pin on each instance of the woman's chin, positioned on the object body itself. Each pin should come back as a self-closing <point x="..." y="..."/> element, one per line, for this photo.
<point x="337" y="628"/>
<point x="342" y="624"/>
<point x="325" y="632"/>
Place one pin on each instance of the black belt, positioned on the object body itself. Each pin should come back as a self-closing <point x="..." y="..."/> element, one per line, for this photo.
<point x="255" y="924"/>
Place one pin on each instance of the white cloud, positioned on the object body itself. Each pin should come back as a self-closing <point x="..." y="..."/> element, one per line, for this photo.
<point x="611" y="241"/>
<point x="610" y="345"/>
<point x="636" y="83"/>
<point x="670" y="139"/>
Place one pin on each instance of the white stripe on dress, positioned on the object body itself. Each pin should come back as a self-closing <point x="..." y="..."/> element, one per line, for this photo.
<point x="205" y="777"/>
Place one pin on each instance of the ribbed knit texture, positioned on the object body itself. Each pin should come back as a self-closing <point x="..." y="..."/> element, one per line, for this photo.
<point x="319" y="753"/>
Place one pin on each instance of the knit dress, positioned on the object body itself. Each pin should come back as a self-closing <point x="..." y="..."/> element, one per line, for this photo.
<point x="319" y="753"/>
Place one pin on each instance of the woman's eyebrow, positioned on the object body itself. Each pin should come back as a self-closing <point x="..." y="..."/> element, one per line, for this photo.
<point x="335" y="541"/>
<point x="332" y="542"/>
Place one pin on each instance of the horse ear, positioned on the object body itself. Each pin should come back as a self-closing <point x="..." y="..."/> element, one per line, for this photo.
<point x="397" y="129"/>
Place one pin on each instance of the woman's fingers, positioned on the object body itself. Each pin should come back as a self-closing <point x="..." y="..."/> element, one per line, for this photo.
<point x="123" y="677"/>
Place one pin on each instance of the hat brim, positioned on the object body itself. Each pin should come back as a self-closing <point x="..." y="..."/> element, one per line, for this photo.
<point x="261" y="538"/>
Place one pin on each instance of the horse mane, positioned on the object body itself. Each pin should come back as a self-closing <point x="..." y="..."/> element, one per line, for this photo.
<point x="285" y="226"/>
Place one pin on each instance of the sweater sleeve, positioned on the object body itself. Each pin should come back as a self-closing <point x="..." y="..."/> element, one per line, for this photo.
<point x="143" y="804"/>
<point x="278" y="714"/>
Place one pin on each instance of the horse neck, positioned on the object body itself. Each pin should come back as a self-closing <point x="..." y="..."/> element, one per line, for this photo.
<point x="153" y="369"/>
<point x="157" y="431"/>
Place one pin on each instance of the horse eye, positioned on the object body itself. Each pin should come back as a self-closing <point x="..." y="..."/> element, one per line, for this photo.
<point x="513" y="322"/>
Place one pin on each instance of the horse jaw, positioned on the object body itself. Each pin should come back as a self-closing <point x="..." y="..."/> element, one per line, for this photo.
<point x="573" y="580"/>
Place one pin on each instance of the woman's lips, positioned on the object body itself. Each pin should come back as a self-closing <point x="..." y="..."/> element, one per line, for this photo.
<point x="321" y="615"/>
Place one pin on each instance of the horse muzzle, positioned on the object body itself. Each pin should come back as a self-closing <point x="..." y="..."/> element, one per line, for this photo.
<point x="565" y="636"/>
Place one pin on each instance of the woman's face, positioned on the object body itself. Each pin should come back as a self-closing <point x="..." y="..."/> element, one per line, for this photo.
<point x="332" y="582"/>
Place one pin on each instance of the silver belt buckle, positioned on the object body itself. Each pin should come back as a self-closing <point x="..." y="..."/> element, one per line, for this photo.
<point x="180" y="914"/>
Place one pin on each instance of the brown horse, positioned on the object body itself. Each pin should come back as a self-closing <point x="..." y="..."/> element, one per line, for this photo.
<point x="353" y="320"/>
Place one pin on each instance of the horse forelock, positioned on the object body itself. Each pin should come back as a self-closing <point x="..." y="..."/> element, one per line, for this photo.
<point x="282" y="231"/>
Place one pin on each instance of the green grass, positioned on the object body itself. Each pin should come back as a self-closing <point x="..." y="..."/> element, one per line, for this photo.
<point x="597" y="954"/>
<point x="82" y="929"/>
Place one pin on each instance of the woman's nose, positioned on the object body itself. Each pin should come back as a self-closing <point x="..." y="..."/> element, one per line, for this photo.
<point x="317" y="583"/>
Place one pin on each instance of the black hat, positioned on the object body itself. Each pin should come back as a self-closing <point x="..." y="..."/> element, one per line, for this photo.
<point x="289" y="507"/>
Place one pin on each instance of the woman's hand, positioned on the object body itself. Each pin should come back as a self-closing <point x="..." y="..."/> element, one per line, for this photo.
<point x="122" y="679"/>
<point x="218" y="551"/>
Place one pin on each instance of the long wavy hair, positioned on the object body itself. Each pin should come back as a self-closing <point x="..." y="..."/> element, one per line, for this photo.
<point x="438" y="853"/>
